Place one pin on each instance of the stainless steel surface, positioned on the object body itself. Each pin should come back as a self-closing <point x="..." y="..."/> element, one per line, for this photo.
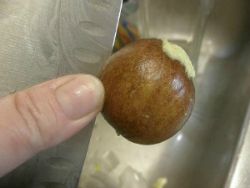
<point x="212" y="150"/>
<point x="43" y="39"/>
<point x="240" y="168"/>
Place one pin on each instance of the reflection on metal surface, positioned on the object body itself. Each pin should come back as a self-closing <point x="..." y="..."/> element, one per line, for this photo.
<point x="86" y="56"/>
<point x="102" y="5"/>
<point x="92" y="28"/>
<point x="179" y="137"/>
<point x="60" y="162"/>
<point x="239" y="175"/>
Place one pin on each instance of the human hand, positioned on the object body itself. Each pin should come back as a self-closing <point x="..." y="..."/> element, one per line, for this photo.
<point x="45" y="115"/>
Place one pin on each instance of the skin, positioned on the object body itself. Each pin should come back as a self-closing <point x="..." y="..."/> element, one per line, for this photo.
<point x="44" y="115"/>
<point x="148" y="96"/>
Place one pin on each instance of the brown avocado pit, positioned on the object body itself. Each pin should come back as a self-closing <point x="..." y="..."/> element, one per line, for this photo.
<point x="148" y="95"/>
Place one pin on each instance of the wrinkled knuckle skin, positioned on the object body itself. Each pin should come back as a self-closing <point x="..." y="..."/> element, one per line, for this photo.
<point x="32" y="117"/>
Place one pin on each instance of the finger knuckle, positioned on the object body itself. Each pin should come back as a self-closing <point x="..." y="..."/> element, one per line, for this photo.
<point x="29" y="112"/>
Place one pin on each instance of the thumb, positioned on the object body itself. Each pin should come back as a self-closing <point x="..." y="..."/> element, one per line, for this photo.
<point x="45" y="115"/>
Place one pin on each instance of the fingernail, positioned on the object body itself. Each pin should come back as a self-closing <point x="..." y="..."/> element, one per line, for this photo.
<point x="80" y="96"/>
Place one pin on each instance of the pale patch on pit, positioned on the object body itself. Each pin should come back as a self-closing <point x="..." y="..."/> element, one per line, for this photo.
<point x="175" y="52"/>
